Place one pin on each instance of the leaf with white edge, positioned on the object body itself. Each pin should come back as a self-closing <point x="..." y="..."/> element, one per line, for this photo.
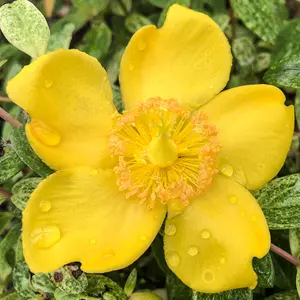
<point x="243" y="50"/>
<point x="42" y="283"/>
<point x="265" y="271"/>
<point x="5" y="218"/>
<point x="285" y="73"/>
<point x="61" y="39"/>
<point x="22" y="280"/>
<point x="10" y="165"/>
<point x="97" y="40"/>
<point x="290" y="295"/>
<point x="264" y="17"/>
<point x="135" y="21"/>
<point x="25" y="27"/>
<point x="22" y="190"/>
<point x="26" y="154"/>
<point x="238" y="294"/>
<point x="19" y="250"/>
<point x="8" y="242"/>
<point x="294" y="235"/>
<point x="99" y="284"/>
<point x="10" y="296"/>
<point x="263" y="61"/>
<point x="280" y="202"/>
<point x="130" y="283"/>
<point x="222" y="20"/>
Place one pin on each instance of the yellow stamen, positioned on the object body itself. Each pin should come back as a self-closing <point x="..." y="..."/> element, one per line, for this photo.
<point x="164" y="151"/>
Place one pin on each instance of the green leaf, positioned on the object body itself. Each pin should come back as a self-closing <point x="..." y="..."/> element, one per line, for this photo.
<point x="135" y="21"/>
<point x="176" y="289"/>
<point x="294" y="235"/>
<point x="118" y="102"/>
<point x="8" y="242"/>
<point x="72" y="280"/>
<point x="113" y="65"/>
<point x="10" y="165"/>
<point x="2" y="62"/>
<point x="90" y="8"/>
<point x="27" y="155"/>
<point x="159" y="3"/>
<point x="222" y="20"/>
<point x="297" y="107"/>
<point x="10" y="296"/>
<point x="25" y="27"/>
<point x="264" y="17"/>
<point x="244" y="51"/>
<point x="14" y="68"/>
<point x="99" y="284"/>
<point x="280" y="202"/>
<point x="290" y="295"/>
<point x="62" y="38"/>
<point x="97" y="41"/>
<point x="157" y="248"/>
<point x="19" y="249"/>
<point x="263" y="61"/>
<point x="285" y="73"/>
<point x="120" y="7"/>
<point x="42" y="283"/>
<point x="239" y="294"/>
<point x="265" y="271"/>
<point x="5" y="218"/>
<point x="298" y="281"/>
<point x="145" y="296"/>
<point x="130" y="283"/>
<point x="22" y="190"/>
<point x="22" y="280"/>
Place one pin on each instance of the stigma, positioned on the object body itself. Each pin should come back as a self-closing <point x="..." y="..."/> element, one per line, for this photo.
<point x="166" y="153"/>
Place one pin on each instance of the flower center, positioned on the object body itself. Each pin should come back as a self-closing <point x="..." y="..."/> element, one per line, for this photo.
<point x="165" y="152"/>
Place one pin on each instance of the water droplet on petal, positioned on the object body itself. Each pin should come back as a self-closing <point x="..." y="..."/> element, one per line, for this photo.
<point x="45" y="206"/>
<point x="93" y="241"/>
<point x="208" y="276"/>
<point x="227" y="170"/>
<point x="131" y="67"/>
<point x="142" y="46"/>
<point x="173" y="259"/>
<point x="45" y="237"/>
<point x="222" y="260"/>
<point x="170" y="229"/>
<point x="175" y="205"/>
<point x="243" y="213"/>
<point x="253" y="218"/>
<point x="193" y="251"/>
<point x="233" y="199"/>
<point x="46" y="135"/>
<point x="144" y="238"/>
<point x="48" y="83"/>
<point x="109" y="254"/>
<point x="205" y="234"/>
<point x="94" y="173"/>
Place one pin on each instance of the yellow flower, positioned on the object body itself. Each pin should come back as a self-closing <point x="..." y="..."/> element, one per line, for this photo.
<point x="178" y="148"/>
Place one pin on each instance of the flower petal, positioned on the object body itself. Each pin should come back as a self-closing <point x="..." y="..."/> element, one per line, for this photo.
<point x="80" y="215"/>
<point x="256" y="131"/>
<point x="187" y="59"/>
<point x="214" y="240"/>
<point x="69" y="99"/>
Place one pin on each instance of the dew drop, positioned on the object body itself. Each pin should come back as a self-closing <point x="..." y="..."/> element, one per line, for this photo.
<point x="109" y="254"/>
<point x="142" y="46"/>
<point x="242" y="213"/>
<point x="45" y="237"/>
<point x="227" y="170"/>
<point x="173" y="259"/>
<point x="222" y="260"/>
<point x="233" y="199"/>
<point x="143" y="238"/>
<point x="94" y="173"/>
<point x="48" y="83"/>
<point x="93" y="242"/>
<point x="253" y="219"/>
<point x="45" y="206"/>
<point x="205" y="234"/>
<point x="44" y="133"/>
<point x="193" y="251"/>
<point x="175" y="205"/>
<point x="208" y="276"/>
<point x="131" y="67"/>
<point x="170" y="229"/>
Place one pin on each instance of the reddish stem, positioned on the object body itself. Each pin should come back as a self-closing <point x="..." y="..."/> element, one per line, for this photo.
<point x="5" y="193"/>
<point x="8" y="118"/>
<point x="287" y="256"/>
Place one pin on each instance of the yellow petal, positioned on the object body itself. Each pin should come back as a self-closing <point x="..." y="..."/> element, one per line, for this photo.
<point x="69" y="99"/>
<point x="80" y="215"/>
<point x="187" y="59"/>
<point x="214" y="240"/>
<point x="256" y="130"/>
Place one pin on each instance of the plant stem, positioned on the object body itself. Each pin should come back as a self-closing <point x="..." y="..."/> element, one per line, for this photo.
<point x="287" y="256"/>
<point x="8" y="118"/>
<point x="4" y="99"/>
<point x="5" y="193"/>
